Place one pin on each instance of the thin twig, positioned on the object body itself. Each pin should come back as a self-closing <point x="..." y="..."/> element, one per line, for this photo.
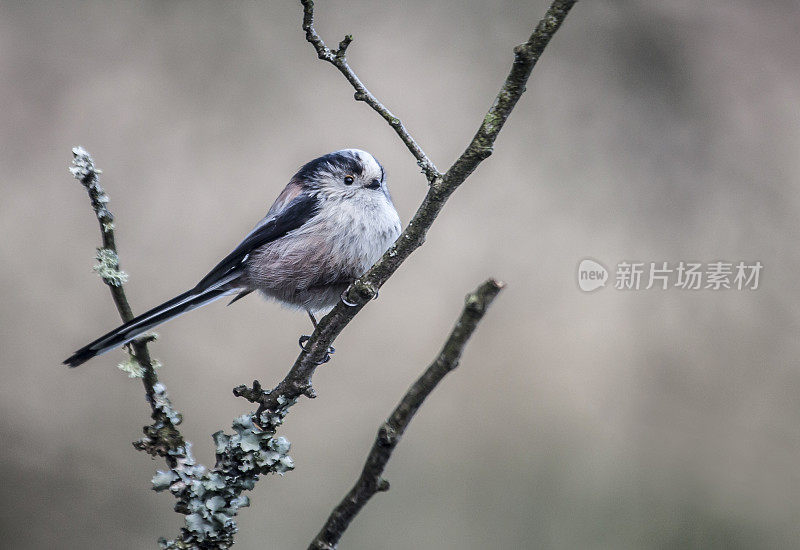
<point x="390" y="432"/>
<point x="526" y="56"/>
<point x="163" y="437"/>
<point x="298" y="381"/>
<point x="339" y="60"/>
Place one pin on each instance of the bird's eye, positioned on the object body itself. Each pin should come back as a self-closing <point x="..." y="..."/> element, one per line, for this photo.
<point x="348" y="180"/>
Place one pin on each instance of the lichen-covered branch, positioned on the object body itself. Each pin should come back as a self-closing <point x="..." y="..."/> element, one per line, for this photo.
<point x="371" y="481"/>
<point x="209" y="498"/>
<point x="298" y="381"/>
<point x="162" y="438"/>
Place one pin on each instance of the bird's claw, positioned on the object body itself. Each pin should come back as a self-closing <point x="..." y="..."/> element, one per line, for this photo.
<point x="345" y="301"/>
<point x="348" y="303"/>
<point x="304" y="340"/>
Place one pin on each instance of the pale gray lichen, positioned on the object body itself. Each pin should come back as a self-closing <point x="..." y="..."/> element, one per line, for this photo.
<point x="134" y="370"/>
<point x="211" y="499"/>
<point x="107" y="267"/>
<point x="163" y="405"/>
<point x="162" y="437"/>
<point x="82" y="164"/>
<point x="84" y="170"/>
<point x="162" y="480"/>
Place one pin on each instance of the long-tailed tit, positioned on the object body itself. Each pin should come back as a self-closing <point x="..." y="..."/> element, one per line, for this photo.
<point x="333" y="220"/>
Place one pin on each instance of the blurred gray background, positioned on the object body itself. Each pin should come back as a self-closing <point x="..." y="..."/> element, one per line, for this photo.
<point x="650" y="131"/>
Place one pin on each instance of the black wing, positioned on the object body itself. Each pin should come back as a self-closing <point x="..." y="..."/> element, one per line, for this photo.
<point x="294" y="215"/>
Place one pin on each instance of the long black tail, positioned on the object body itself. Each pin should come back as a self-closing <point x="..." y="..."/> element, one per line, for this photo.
<point x="168" y="310"/>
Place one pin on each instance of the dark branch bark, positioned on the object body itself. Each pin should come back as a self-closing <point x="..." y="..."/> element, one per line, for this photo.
<point x="390" y="432"/>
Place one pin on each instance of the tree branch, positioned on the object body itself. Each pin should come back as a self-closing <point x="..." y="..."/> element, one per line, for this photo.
<point x="390" y="432"/>
<point x="162" y="438"/>
<point x="526" y="56"/>
<point x="298" y="381"/>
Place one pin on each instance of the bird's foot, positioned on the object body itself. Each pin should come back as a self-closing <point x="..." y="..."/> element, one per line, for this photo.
<point x="348" y="303"/>
<point x="345" y="301"/>
<point x="304" y="340"/>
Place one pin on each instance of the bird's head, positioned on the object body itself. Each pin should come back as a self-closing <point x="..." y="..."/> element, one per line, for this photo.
<point x="347" y="173"/>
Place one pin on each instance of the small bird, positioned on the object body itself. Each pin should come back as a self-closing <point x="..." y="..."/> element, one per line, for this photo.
<point x="332" y="221"/>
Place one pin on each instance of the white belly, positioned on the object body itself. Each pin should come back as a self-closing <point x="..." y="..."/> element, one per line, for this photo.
<point x="312" y="265"/>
